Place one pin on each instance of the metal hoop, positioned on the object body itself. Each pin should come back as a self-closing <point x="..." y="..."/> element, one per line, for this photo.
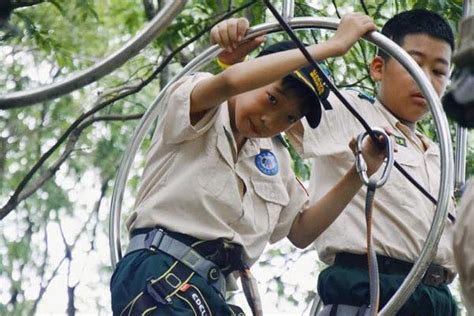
<point x="437" y="226"/>
<point x="101" y="68"/>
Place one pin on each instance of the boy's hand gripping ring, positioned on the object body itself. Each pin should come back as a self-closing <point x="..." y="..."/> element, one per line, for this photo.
<point x="361" y="165"/>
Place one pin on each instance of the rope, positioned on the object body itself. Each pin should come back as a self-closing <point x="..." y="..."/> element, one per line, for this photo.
<point x="371" y="255"/>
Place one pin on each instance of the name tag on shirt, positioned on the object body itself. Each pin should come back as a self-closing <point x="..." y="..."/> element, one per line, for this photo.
<point x="400" y="141"/>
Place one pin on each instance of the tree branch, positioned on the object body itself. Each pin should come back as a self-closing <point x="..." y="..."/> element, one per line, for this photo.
<point x="42" y="270"/>
<point x="70" y="247"/>
<point x="335" y="7"/>
<point x="364" y="7"/>
<point x="51" y="171"/>
<point x="25" y="3"/>
<point x="348" y="85"/>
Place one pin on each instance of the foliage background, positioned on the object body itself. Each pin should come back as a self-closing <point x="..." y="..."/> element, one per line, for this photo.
<point x="53" y="233"/>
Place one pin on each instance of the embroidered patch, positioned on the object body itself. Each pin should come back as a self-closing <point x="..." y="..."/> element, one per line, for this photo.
<point x="267" y="163"/>
<point x="400" y="141"/>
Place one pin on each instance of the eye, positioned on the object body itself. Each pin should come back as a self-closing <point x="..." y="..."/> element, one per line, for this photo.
<point x="439" y="73"/>
<point x="272" y="99"/>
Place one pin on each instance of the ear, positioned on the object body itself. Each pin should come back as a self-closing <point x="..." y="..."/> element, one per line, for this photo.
<point x="376" y="68"/>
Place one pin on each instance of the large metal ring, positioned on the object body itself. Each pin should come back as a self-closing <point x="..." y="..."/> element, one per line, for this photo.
<point x="384" y="43"/>
<point x="101" y="68"/>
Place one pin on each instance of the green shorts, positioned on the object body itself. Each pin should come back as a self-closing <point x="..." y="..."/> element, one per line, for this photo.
<point x="341" y="284"/>
<point x="193" y="296"/>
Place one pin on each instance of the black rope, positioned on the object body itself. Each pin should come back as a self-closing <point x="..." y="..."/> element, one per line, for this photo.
<point x="286" y="27"/>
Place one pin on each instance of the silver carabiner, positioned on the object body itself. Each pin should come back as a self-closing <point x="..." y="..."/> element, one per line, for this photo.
<point x="361" y="165"/>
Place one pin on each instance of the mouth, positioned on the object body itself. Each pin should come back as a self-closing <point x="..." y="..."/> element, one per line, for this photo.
<point x="418" y="98"/>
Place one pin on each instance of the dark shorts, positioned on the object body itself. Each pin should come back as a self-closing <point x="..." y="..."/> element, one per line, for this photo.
<point x="341" y="284"/>
<point x="129" y="281"/>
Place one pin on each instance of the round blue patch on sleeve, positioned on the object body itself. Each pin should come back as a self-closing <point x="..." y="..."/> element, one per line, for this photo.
<point x="267" y="163"/>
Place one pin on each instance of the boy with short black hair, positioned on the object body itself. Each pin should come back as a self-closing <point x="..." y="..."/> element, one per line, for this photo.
<point x="218" y="184"/>
<point x="402" y="214"/>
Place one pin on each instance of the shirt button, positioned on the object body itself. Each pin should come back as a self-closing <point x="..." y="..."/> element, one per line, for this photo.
<point x="272" y="195"/>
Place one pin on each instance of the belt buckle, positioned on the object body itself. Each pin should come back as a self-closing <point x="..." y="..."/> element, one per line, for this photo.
<point x="434" y="276"/>
<point x="156" y="238"/>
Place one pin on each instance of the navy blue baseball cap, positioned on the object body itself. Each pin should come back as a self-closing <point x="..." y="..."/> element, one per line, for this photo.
<point x="307" y="76"/>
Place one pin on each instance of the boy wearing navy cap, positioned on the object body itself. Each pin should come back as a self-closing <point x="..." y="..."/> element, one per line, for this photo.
<point x="217" y="185"/>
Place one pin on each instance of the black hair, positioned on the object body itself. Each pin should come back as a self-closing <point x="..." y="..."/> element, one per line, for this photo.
<point x="297" y="90"/>
<point x="417" y="21"/>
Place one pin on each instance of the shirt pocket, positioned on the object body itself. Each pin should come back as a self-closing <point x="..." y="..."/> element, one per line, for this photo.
<point x="272" y="196"/>
<point x="215" y="175"/>
<point x="400" y="190"/>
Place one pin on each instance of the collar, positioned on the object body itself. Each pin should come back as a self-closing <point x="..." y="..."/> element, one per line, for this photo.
<point x="398" y="126"/>
<point x="252" y="146"/>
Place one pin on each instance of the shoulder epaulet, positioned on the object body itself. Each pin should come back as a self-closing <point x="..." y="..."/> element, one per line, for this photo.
<point x="366" y="96"/>
<point x="363" y="95"/>
<point x="282" y="140"/>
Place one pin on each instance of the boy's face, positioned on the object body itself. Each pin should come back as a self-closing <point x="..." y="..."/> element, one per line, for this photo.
<point x="398" y="91"/>
<point x="265" y="112"/>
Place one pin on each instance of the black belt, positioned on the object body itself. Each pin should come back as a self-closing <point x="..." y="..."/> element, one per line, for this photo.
<point x="227" y="256"/>
<point x="435" y="275"/>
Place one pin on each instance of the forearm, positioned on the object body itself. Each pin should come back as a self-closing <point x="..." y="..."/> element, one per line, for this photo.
<point x="313" y="221"/>
<point x="270" y="68"/>
<point x="255" y="73"/>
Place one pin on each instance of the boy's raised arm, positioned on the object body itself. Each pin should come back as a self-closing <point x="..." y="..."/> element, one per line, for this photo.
<point x="259" y="72"/>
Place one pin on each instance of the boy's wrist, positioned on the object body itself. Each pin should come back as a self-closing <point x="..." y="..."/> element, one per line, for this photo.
<point x="337" y="48"/>
<point x="221" y="64"/>
<point x="225" y="64"/>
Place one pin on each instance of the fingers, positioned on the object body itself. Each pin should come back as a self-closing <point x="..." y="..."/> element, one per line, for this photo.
<point x="242" y="27"/>
<point x="352" y="145"/>
<point x="228" y="33"/>
<point x="249" y="46"/>
<point x="366" y="22"/>
<point x="391" y="134"/>
<point x="359" y="18"/>
<point x="224" y="36"/>
<point x="232" y="33"/>
<point x="352" y="27"/>
<point x="239" y="54"/>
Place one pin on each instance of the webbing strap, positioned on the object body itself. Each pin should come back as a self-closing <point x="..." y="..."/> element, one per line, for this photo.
<point x="159" y="291"/>
<point x="343" y="310"/>
<point x="157" y="239"/>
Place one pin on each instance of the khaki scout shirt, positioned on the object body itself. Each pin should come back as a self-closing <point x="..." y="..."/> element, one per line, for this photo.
<point x="402" y="215"/>
<point x="464" y="246"/>
<point x="196" y="183"/>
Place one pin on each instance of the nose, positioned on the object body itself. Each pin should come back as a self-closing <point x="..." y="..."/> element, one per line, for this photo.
<point x="265" y="119"/>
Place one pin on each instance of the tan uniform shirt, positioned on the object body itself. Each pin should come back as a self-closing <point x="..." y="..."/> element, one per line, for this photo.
<point x="464" y="246"/>
<point x="402" y="215"/>
<point x="196" y="183"/>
